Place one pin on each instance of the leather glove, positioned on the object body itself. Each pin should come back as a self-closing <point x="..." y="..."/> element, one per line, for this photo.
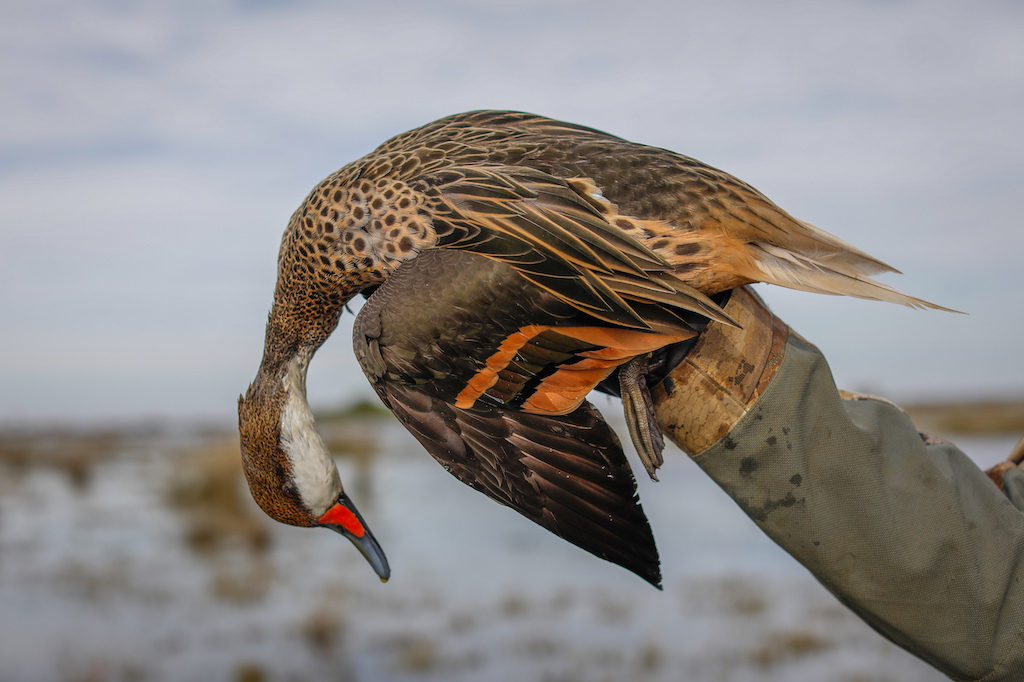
<point x="722" y="375"/>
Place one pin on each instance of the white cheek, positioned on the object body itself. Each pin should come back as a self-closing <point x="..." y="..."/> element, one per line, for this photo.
<point x="313" y="471"/>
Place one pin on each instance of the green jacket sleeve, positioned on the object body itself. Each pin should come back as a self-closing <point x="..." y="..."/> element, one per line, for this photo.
<point x="912" y="537"/>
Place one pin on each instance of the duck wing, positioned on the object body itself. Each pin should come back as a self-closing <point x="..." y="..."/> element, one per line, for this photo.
<point x="716" y="231"/>
<point x="558" y="234"/>
<point x="490" y="374"/>
<point x="566" y="473"/>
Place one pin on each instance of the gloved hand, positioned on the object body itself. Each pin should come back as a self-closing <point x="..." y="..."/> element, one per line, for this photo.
<point x="1014" y="461"/>
<point x="722" y="375"/>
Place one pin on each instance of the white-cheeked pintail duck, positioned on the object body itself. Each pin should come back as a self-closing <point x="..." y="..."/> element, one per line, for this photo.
<point x="512" y="263"/>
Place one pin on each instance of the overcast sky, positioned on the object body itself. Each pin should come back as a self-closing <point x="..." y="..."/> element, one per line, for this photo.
<point x="151" y="153"/>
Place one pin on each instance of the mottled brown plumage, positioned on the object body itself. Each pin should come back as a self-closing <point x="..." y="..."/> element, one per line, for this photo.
<point x="516" y="262"/>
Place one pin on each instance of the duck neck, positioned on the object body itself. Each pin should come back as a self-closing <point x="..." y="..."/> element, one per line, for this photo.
<point x="312" y="469"/>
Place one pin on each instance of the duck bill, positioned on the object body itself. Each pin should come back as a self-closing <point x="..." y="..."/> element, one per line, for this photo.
<point x="344" y="518"/>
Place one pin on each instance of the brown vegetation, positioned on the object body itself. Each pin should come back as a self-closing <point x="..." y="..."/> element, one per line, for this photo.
<point x="323" y="628"/>
<point x="982" y="418"/>
<point x="209" y="491"/>
<point x="779" y="646"/>
<point x="222" y="525"/>
<point x="74" y="452"/>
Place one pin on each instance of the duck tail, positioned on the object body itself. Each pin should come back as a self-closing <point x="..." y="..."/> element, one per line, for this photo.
<point x="824" y="264"/>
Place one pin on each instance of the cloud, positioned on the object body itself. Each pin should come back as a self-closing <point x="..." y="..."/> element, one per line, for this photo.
<point x="151" y="152"/>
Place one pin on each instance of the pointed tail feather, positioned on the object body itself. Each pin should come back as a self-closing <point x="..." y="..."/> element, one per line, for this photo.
<point x="844" y="257"/>
<point x="838" y="273"/>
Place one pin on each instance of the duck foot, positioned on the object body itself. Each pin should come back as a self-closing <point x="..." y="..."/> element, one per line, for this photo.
<point x="640" y="417"/>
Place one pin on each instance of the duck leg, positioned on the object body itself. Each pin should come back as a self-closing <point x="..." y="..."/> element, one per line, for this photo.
<point x="640" y="417"/>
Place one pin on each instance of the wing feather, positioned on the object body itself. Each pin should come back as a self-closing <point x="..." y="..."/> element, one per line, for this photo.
<point x="585" y="181"/>
<point x="511" y="213"/>
<point x="579" y="488"/>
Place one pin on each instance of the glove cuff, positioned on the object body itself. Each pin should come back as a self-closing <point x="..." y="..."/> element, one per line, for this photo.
<point x="722" y="376"/>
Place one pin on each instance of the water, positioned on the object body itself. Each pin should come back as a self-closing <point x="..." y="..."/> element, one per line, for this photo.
<point x="124" y="573"/>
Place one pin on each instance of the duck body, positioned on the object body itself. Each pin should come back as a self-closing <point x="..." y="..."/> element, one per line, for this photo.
<point x="490" y="372"/>
<point x="512" y="263"/>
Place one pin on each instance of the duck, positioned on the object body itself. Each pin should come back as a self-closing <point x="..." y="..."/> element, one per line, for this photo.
<point x="512" y="263"/>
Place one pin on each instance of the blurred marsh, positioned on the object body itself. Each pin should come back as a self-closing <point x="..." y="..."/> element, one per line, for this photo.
<point x="137" y="554"/>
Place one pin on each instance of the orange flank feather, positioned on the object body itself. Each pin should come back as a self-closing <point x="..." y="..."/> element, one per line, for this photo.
<point x="564" y="390"/>
<point x="488" y="375"/>
<point x="628" y="341"/>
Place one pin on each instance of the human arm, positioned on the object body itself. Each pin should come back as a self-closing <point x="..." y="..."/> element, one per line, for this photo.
<point x="913" y="537"/>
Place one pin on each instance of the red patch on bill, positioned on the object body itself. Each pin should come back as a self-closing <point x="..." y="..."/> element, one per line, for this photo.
<point x="340" y="515"/>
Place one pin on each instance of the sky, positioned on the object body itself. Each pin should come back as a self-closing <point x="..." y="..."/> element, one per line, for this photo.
<point x="152" y="152"/>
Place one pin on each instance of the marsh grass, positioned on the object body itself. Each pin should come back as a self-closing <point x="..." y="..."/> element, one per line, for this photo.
<point x="788" y="644"/>
<point x="987" y="417"/>
<point x="221" y="523"/>
<point x="73" y="452"/>
<point x="737" y="595"/>
<point x="249" y="672"/>
<point x="323" y="629"/>
<point x="418" y="654"/>
<point x="208" y="490"/>
<point x="513" y="606"/>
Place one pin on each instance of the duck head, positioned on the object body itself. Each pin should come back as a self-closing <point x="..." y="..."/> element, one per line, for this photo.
<point x="290" y="472"/>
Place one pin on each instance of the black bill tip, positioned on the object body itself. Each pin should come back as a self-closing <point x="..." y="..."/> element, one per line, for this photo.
<point x="344" y="518"/>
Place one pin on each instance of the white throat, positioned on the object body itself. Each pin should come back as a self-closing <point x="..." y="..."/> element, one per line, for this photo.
<point x="313" y="471"/>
